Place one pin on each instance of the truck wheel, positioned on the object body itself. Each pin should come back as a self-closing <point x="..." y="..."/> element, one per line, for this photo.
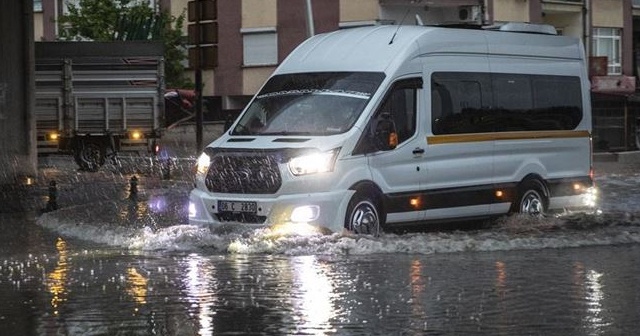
<point x="364" y="214"/>
<point x="90" y="155"/>
<point x="531" y="199"/>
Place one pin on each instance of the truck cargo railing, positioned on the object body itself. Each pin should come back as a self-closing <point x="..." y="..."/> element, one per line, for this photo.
<point x="104" y="96"/>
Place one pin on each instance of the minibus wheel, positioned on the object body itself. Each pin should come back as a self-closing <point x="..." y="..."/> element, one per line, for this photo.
<point x="364" y="215"/>
<point x="531" y="199"/>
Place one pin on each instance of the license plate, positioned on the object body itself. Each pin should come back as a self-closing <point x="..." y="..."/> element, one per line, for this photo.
<point x="237" y="206"/>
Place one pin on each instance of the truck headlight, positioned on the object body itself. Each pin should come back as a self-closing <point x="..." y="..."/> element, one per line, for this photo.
<point x="203" y="163"/>
<point x="313" y="163"/>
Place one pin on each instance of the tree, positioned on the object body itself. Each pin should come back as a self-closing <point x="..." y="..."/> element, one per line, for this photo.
<point x="129" y="20"/>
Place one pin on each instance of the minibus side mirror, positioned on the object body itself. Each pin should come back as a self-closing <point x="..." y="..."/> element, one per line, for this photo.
<point x="384" y="134"/>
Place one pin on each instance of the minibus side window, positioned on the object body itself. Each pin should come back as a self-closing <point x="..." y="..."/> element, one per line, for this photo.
<point x="400" y="106"/>
<point x="557" y="101"/>
<point x="464" y="102"/>
<point x="512" y="102"/>
<point x="457" y="101"/>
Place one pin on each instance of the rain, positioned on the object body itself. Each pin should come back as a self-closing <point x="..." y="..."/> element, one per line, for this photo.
<point x="160" y="223"/>
<point x="105" y="262"/>
<point x="381" y="107"/>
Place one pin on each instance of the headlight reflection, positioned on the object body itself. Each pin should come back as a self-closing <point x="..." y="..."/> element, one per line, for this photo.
<point x="197" y="281"/>
<point x="316" y="293"/>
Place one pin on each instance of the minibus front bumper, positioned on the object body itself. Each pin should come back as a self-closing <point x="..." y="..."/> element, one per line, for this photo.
<point x="294" y="214"/>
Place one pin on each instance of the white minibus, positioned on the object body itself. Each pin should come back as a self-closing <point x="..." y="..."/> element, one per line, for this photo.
<point x="368" y="128"/>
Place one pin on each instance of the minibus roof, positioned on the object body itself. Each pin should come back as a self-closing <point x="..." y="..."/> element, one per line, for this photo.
<point x="384" y="48"/>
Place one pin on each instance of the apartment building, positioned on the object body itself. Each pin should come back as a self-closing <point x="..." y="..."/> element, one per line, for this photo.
<point x="254" y="36"/>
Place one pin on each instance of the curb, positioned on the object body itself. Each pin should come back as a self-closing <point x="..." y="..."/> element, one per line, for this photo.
<point x="620" y="157"/>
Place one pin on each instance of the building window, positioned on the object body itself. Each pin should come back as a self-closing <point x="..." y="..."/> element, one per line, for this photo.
<point x="260" y="46"/>
<point x="37" y="5"/>
<point x="606" y="42"/>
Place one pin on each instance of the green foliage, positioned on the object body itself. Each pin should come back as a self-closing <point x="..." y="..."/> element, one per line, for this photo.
<point x="129" y="20"/>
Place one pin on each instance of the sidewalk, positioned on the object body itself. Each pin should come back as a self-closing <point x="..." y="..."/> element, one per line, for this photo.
<point x="631" y="157"/>
<point x="616" y="163"/>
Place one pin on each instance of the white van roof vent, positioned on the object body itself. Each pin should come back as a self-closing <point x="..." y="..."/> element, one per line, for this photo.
<point x="523" y="27"/>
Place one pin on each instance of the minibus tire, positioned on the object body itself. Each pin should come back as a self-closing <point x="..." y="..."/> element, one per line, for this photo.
<point x="364" y="215"/>
<point x="531" y="199"/>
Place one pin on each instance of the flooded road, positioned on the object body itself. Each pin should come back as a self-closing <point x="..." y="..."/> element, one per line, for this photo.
<point x="116" y="267"/>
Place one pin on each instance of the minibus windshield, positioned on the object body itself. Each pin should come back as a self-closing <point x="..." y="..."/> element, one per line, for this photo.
<point x="309" y="104"/>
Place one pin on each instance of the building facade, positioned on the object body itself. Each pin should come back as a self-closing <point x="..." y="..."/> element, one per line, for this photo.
<point x="254" y="36"/>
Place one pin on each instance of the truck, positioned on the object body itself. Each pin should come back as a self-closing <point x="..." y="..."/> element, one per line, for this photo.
<point x="97" y="99"/>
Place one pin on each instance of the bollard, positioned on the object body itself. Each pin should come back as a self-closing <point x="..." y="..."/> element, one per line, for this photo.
<point x="52" y="203"/>
<point x="133" y="187"/>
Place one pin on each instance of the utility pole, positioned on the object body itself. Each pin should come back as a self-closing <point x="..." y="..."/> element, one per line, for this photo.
<point x="310" y="27"/>
<point x="198" y="78"/>
<point x="203" y="51"/>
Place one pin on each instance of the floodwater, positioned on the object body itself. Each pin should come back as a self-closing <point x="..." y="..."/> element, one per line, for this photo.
<point x="120" y="267"/>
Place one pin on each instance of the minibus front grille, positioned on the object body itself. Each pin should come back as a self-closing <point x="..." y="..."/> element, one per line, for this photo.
<point x="244" y="173"/>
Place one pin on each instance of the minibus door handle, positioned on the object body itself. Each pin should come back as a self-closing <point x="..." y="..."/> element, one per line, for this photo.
<point x="418" y="151"/>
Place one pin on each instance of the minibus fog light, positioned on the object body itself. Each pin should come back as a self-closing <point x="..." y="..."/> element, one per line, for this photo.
<point x="305" y="214"/>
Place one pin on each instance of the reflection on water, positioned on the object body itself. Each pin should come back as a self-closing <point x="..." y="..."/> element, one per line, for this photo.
<point x="56" y="280"/>
<point x="521" y="277"/>
<point x="594" y="299"/>
<point x="198" y="279"/>
<point x="314" y="303"/>
<point x="590" y="292"/>
<point x="501" y="277"/>
<point x="137" y="286"/>
<point x="418" y="288"/>
<point x="108" y="292"/>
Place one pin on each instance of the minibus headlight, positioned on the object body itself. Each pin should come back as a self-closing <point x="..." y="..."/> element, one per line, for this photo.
<point x="313" y="163"/>
<point x="203" y="163"/>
